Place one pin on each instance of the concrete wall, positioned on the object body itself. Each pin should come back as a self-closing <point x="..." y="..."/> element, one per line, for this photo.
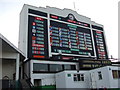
<point x="23" y="31"/>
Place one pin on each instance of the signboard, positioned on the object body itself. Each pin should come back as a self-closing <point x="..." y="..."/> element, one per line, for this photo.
<point x="90" y="64"/>
<point x="37" y="37"/>
<point x="100" y="45"/>
<point x="68" y="37"/>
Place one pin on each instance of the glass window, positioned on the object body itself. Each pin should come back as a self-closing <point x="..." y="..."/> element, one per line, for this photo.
<point x="55" y="67"/>
<point x="115" y="74"/>
<point x="100" y="75"/>
<point x="40" y="67"/>
<point x="67" y="67"/>
<point x="75" y="77"/>
<point x="78" y="77"/>
<point x="82" y="77"/>
<point x="73" y="67"/>
<point x="119" y="73"/>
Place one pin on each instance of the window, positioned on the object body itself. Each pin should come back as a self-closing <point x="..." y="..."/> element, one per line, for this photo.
<point x="100" y="75"/>
<point x="73" y="67"/>
<point x="119" y="73"/>
<point x="55" y="67"/>
<point x="40" y="67"/>
<point x="115" y="74"/>
<point x="67" y="67"/>
<point x="78" y="77"/>
<point x="37" y="82"/>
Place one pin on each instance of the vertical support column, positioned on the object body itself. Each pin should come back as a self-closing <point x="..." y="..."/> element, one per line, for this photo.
<point x="17" y="66"/>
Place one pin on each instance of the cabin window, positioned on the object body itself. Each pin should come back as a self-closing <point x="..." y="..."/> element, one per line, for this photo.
<point x="55" y="67"/>
<point x="78" y="77"/>
<point x="115" y="74"/>
<point x="69" y="67"/>
<point x="100" y="75"/>
<point x="40" y="67"/>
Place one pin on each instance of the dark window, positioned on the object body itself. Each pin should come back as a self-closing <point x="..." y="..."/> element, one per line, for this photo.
<point x="73" y="67"/>
<point x="119" y="73"/>
<point x="115" y="74"/>
<point x="100" y="75"/>
<point x="40" y="67"/>
<point x="78" y="77"/>
<point x="82" y="77"/>
<point x="75" y="77"/>
<point x="37" y="82"/>
<point x="97" y="27"/>
<point x="67" y="67"/>
<point x="55" y="67"/>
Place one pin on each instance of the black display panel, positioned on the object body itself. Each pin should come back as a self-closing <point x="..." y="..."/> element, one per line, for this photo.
<point x="37" y="12"/>
<point x="70" y="39"/>
<point x="97" y="27"/>
<point x="91" y="64"/>
<point x="100" y="45"/>
<point x="71" y="19"/>
<point x="37" y="37"/>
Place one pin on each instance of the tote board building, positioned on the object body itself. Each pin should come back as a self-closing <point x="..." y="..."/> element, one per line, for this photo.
<point x="55" y="40"/>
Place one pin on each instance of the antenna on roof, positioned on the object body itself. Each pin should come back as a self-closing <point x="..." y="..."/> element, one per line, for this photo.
<point x="74" y="6"/>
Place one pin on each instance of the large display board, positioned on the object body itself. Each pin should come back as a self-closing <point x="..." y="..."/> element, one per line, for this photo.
<point x="68" y="37"/>
<point x="101" y="50"/>
<point x="37" y="37"/>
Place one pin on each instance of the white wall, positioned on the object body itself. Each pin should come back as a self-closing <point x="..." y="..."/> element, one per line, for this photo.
<point x="96" y="83"/>
<point x="23" y="32"/>
<point x="63" y="81"/>
<point x="60" y="80"/>
<point x="114" y="82"/>
<point x="107" y="81"/>
<point x="53" y="62"/>
<point x="91" y="79"/>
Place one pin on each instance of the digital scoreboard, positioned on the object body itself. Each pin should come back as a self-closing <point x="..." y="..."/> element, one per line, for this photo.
<point x="70" y="39"/>
<point x="50" y="35"/>
<point x="37" y="35"/>
<point x="100" y="45"/>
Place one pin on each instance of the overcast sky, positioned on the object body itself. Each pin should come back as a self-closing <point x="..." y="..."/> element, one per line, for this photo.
<point x="104" y="12"/>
